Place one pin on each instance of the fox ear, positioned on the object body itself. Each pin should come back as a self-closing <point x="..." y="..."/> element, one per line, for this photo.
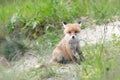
<point x="79" y="22"/>
<point x="64" y="24"/>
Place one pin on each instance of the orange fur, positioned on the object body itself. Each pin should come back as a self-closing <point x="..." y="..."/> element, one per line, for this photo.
<point x="63" y="49"/>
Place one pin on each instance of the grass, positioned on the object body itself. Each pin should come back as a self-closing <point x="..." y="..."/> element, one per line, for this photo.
<point x="34" y="18"/>
<point x="59" y="10"/>
<point x="102" y="63"/>
<point x="12" y="48"/>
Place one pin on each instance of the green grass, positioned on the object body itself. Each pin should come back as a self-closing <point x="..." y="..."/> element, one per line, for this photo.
<point x="102" y="63"/>
<point x="12" y="48"/>
<point x="58" y="10"/>
<point x="32" y="18"/>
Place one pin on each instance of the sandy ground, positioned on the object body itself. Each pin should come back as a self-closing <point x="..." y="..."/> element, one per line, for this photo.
<point x="91" y="35"/>
<point x="99" y="33"/>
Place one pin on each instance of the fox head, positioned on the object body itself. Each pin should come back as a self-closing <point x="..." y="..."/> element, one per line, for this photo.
<point x="72" y="31"/>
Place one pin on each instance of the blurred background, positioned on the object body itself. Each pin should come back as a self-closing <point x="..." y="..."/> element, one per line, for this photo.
<point x="30" y="30"/>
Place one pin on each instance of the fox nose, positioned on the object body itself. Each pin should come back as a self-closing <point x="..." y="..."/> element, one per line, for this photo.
<point x="73" y="37"/>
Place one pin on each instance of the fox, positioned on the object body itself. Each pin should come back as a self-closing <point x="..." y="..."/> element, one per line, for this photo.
<point x="69" y="45"/>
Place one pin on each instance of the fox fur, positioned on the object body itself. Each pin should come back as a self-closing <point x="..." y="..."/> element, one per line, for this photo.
<point x="67" y="48"/>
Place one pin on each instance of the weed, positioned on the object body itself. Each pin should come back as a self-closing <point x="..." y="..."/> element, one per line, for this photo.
<point x="11" y="48"/>
<point x="33" y="17"/>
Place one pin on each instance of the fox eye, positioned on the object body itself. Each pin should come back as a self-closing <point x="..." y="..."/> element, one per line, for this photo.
<point x="69" y="32"/>
<point x="76" y="31"/>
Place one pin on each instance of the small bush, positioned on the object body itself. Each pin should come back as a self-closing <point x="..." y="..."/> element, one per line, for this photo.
<point x="12" y="49"/>
<point x="31" y="18"/>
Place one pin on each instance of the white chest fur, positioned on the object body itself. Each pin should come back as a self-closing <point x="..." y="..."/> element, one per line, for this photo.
<point x="73" y="45"/>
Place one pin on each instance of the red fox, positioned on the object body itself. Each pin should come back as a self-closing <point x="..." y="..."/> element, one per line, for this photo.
<point x="69" y="45"/>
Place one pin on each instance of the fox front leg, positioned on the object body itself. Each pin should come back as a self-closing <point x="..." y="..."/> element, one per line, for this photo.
<point x="80" y="54"/>
<point x="74" y="57"/>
